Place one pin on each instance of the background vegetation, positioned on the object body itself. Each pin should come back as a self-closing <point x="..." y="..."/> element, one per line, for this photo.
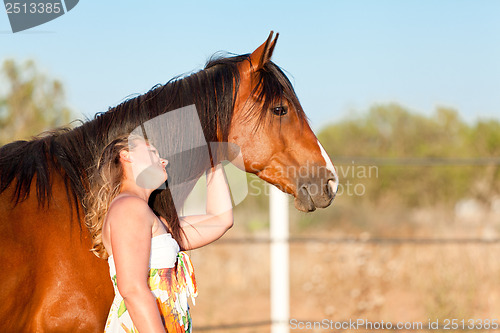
<point x="424" y="159"/>
<point x="30" y="102"/>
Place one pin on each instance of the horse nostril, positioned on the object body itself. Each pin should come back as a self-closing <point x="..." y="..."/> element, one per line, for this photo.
<point x="332" y="187"/>
<point x="327" y="189"/>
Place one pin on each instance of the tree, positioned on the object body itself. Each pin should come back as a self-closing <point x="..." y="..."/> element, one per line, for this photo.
<point x="393" y="132"/>
<point x="30" y="103"/>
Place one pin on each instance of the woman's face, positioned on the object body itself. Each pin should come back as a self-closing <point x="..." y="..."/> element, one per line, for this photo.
<point x="147" y="166"/>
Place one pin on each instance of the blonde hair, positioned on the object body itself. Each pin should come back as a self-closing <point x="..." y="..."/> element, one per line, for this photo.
<point x="105" y="184"/>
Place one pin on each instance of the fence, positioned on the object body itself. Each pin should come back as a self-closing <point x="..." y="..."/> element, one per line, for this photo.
<point x="279" y="240"/>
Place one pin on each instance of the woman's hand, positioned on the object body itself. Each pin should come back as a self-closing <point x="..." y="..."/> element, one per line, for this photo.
<point x="201" y="230"/>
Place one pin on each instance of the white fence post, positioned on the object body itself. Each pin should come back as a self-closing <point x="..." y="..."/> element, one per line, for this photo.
<point x="280" y="284"/>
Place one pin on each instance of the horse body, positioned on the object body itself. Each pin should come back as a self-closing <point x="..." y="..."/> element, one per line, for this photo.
<point x="50" y="281"/>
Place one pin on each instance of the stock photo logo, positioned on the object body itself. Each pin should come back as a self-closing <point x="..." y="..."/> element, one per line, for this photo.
<point x="27" y="14"/>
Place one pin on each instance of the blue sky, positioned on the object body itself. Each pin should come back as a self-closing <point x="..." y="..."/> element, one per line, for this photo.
<point x="342" y="56"/>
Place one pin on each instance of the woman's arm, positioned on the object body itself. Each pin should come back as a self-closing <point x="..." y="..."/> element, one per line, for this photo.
<point x="130" y="227"/>
<point x="201" y="230"/>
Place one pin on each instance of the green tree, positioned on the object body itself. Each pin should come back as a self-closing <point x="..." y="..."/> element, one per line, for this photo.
<point x="392" y="132"/>
<point x="30" y="102"/>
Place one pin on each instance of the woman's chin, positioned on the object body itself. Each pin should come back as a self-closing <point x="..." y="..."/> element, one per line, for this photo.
<point x="151" y="179"/>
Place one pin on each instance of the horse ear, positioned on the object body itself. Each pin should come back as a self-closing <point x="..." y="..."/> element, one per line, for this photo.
<point x="263" y="53"/>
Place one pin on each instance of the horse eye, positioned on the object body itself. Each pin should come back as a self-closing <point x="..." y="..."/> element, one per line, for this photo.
<point x="280" y="110"/>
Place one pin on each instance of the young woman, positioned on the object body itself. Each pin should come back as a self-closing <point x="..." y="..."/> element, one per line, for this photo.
<point x="152" y="277"/>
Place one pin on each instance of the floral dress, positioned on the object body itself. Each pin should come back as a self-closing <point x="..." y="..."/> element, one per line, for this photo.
<point x="171" y="280"/>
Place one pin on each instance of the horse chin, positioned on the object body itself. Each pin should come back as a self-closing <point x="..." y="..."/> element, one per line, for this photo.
<point x="303" y="201"/>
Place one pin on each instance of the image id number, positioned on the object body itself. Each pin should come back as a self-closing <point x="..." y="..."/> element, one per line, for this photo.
<point x="33" y="8"/>
<point x="470" y="324"/>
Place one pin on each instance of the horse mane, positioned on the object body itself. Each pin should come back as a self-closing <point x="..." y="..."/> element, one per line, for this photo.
<point x="73" y="151"/>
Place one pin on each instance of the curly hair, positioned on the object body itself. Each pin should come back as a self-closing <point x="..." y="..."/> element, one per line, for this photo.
<point x="105" y="184"/>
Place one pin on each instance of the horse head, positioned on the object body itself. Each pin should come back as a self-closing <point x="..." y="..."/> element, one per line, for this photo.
<point x="273" y="134"/>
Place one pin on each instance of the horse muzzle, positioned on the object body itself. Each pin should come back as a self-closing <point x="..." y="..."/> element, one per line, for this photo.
<point x="317" y="194"/>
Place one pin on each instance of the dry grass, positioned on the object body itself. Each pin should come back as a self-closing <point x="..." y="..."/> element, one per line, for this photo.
<point x="396" y="282"/>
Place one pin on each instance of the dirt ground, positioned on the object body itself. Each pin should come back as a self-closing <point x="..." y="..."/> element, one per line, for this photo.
<point x="373" y="271"/>
<point x="393" y="282"/>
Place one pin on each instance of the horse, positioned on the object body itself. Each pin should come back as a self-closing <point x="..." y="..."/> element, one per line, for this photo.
<point x="50" y="281"/>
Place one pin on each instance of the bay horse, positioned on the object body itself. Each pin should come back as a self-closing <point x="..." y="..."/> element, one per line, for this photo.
<point x="49" y="280"/>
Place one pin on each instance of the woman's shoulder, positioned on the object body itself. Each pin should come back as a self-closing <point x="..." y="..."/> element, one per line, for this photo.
<point x="128" y="202"/>
<point x="128" y="206"/>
